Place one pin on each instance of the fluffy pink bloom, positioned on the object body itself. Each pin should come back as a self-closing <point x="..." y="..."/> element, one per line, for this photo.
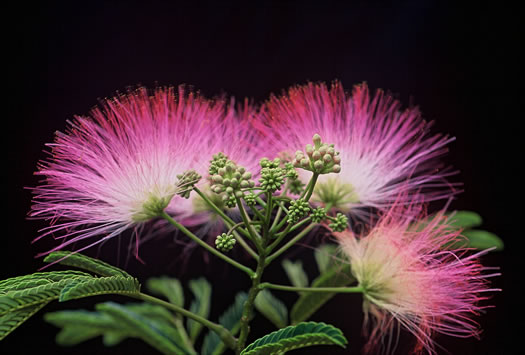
<point x="109" y="169"/>
<point x="412" y="280"/>
<point x="384" y="152"/>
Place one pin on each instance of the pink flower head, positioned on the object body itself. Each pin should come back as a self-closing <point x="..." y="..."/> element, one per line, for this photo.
<point x="411" y="279"/>
<point x="119" y="167"/>
<point x="384" y="152"/>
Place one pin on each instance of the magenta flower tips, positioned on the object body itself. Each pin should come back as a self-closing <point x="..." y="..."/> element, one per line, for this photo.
<point x="410" y="279"/>
<point x="384" y="152"/>
<point x="124" y="164"/>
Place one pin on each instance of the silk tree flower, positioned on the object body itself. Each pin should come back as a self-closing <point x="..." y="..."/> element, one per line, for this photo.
<point x="411" y="279"/>
<point x="385" y="152"/>
<point x="119" y="167"/>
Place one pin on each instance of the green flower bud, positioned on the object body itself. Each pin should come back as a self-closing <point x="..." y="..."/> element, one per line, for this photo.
<point x="225" y="242"/>
<point x="339" y="223"/>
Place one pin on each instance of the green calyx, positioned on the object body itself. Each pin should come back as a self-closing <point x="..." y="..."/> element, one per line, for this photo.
<point x="318" y="215"/>
<point x="339" y="223"/>
<point x="153" y="207"/>
<point x="272" y="179"/>
<point x="320" y="158"/>
<point x="186" y="182"/>
<point x="298" y="209"/>
<point x="225" y="242"/>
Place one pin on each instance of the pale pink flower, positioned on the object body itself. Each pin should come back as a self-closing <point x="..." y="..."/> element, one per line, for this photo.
<point x="384" y="151"/>
<point x="109" y="170"/>
<point x="411" y="279"/>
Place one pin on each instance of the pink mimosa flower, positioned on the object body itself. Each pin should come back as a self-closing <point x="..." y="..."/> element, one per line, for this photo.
<point x="384" y="152"/>
<point x="121" y="165"/>
<point x="412" y="280"/>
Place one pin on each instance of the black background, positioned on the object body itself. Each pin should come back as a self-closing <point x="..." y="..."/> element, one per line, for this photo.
<point x="457" y="63"/>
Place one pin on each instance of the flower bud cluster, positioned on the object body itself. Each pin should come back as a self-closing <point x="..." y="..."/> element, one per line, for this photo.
<point x="272" y="164"/>
<point x="228" y="177"/>
<point x="272" y="179"/>
<point x="225" y="242"/>
<point x="297" y="210"/>
<point x="250" y="199"/>
<point x="320" y="158"/>
<point x="318" y="215"/>
<point x="186" y="182"/>
<point x="340" y="223"/>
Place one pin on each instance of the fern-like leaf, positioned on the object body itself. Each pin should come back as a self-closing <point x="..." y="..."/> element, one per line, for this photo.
<point x="99" y="286"/>
<point x="201" y="290"/>
<point x="167" y="287"/>
<point x="231" y="320"/>
<point x="295" y="337"/>
<point x="85" y="263"/>
<point x="272" y="308"/>
<point x="10" y="321"/>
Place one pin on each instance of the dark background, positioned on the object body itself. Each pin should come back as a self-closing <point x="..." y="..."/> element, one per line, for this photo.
<point x="457" y="63"/>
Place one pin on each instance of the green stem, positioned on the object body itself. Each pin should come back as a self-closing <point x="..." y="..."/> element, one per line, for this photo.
<point x="224" y="333"/>
<point x="255" y="237"/>
<point x="292" y="241"/>
<point x="182" y="331"/>
<point x="241" y="240"/>
<point x="311" y="186"/>
<point x="355" y="289"/>
<point x="247" y="312"/>
<point x="206" y="246"/>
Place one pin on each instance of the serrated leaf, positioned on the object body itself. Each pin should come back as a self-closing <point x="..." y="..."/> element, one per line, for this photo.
<point x="295" y="273"/>
<point x="167" y="287"/>
<point x="309" y="302"/>
<point x="99" y="286"/>
<point x="272" y="308"/>
<point x="324" y="256"/>
<point x="10" y="321"/>
<point x="295" y="337"/>
<point x="200" y="305"/>
<point x="85" y="263"/>
<point x="230" y="319"/>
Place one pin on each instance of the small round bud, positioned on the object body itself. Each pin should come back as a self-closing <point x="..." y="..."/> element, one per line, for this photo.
<point x="316" y="139"/>
<point x="309" y="150"/>
<point x="327" y="158"/>
<point x="229" y="190"/>
<point x="337" y="159"/>
<point x="245" y="184"/>
<point x="221" y="171"/>
<point x="241" y="169"/>
<point x="336" y="168"/>
<point x="247" y="175"/>
<point x="323" y="149"/>
<point x="217" y="179"/>
<point x="316" y="155"/>
<point x="318" y="165"/>
<point x="305" y="163"/>
<point x="238" y="194"/>
<point x="234" y="182"/>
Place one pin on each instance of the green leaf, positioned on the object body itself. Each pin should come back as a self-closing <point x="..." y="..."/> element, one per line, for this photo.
<point x="201" y="290"/>
<point x="167" y="287"/>
<point x="481" y="239"/>
<point x="272" y="308"/>
<point x="295" y="273"/>
<point x="309" y="302"/>
<point x="10" y="321"/>
<point x="38" y="279"/>
<point x="463" y="219"/>
<point x="295" y="337"/>
<point x="324" y="256"/>
<point x="115" y="323"/>
<point x="86" y="263"/>
<point x="29" y="291"/>
<point x="99" y="286"/>
<point x="231" y="320"/>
